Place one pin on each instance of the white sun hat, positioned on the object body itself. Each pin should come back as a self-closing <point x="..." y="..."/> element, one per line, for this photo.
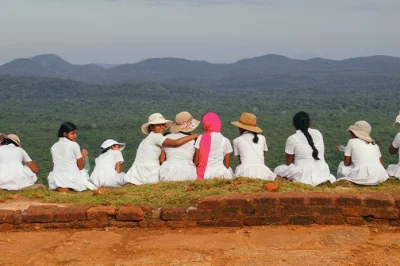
<point x="110" y="142"/>
<point x="397" y="120"/>
<point x="362" y="129"/>
<point x="155" y="119"/>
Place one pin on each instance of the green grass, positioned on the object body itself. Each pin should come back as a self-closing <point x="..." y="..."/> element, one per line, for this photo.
<point x="176" y="194"/>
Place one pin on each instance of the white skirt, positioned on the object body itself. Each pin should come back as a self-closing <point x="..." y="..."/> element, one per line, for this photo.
<point x="368" y="174"/>
<point x="16" y="176"/>
<point x="260" y="171"/>
<point x="311" y="174"/>
<point x="107" y="177"/>
<point x="76" y="180"/>
<point x="218" y="171"/>
<point x="394" y="170"/>
<point x="178" y="171"/>
<point x="143" y="173"/>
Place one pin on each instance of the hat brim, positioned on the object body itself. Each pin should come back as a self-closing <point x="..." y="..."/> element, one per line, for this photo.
<point x="359" y="135"/>
<point x="145" y="127"/>
<point x="184" y="128"/>
<point x="255" y="129"/>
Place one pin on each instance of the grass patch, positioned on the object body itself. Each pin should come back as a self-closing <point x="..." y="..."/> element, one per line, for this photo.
<point x="182" y="194"/>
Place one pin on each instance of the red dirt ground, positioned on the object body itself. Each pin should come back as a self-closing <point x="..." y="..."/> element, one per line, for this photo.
<point x="283" y="245"/>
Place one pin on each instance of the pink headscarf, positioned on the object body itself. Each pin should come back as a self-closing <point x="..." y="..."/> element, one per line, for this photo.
<point x="211" y="123"/>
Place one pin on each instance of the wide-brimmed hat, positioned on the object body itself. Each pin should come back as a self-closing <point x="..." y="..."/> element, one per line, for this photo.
<point x="184" y="122"/>
<point x="362" y="130"/>
<point x="155" y="119"/>
<point x="248" y="121"/>
<point x="15" y="139"/>
<point x="397" y="120"/>
<point x="110" y="142"/>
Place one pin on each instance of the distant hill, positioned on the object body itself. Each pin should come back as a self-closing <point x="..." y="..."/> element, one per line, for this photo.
<point x="268" y="71"/>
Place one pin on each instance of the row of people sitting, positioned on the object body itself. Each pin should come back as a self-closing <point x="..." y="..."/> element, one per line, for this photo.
<point x="179" y="156"/>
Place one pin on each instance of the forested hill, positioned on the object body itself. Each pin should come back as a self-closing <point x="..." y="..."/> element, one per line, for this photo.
<point x="264" y="72"/>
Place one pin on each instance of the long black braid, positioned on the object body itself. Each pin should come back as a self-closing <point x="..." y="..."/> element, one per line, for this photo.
<point x="301" y="121"/>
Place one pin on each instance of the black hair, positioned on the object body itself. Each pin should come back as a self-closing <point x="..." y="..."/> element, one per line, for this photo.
<point x="301" y="121"/>
<point x="9" y="141"/>
<point x="106" y="149"/>
<point x="255" y="138"/>
<point x="66" y="127"/>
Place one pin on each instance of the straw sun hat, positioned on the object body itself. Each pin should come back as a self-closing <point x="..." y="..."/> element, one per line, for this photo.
<point x="110" y="142"/>
<point x="184" y="122"/>
<point x="14" y="138"/>
<point x="155" y="119"/>
<point x="248" y="121"/>
<point x="362" y="130"/>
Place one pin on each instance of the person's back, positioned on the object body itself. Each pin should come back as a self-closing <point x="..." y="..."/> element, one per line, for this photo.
<point x="184" y="152"/>
<point x="64" y="154"/>
<point x="10" y="154"/>
<point x="104" y="173"/>
<point x="250" y="153"/>
<point x="362" y="152"/>
<point x="298" y="145"/>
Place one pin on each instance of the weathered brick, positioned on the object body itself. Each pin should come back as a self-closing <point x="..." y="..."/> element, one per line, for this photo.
<point x="123" y="224"/>
<point x="152" y="223"/>
<point x="95" y="223"/>
<point x="242" y="202"/>
<point x="6" y="216"/>
<point x="232" y="223"/>
<point x="269" y="210"/>
<point x="181" y="224"/>
<point x="212" y="203"/>
<point x="330" y="220"/>
<point x="100" y="212"/>
<point x="311" y="210"/>
<point x="226" y="214"/>
<point x="6" y="227"/>
<point x="381" y="213"/>
<point x="70" y="213"/>
<point x="378" y="200"/>
<point x="302" y="220"/>
<point x="39" y="214"/>
<point x="174" y="214"/>
<point x="18" y="217"/>
<point x="199" y="214"/>
<point x="267" y="220"/>
<point x="129" y="213"/>
<point x="352" y="211"/>
<point x="320" y="198"/>
<point x="292" y="198"/>
<point x="265" y="198"/>
<point x="394" y="222"/>
<point x="348" y="199"/>
<point x="396" y="197"/>
<point x="356" y="221"/>
<point x="375" y="221"/>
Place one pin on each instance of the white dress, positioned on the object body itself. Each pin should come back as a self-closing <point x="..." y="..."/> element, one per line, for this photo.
<point x="179" y="165"/>
<point x="366" y="168"/>
<point x="145" y="169"/>
<point x="305" y="168"/>
<point x="252" y="157"/>
<point x="14" y="175"/>
<point x="220" y="146"/>
<point x="104" y="173"/>
<point x="394" y="169"/>
<point x="66" y="173"/>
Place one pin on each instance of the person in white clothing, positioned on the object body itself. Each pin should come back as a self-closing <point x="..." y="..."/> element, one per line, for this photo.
<point x="394" y="169"/>
<point x="305" y="155"/>
<point x="213" y="150"/>
<point x="107" y="171"/>
<point x="363" y="162"/>
<point x="145" y="169"/>
<point x="178" y="164"/>
<point x="68" y="162"/>
<point x="250" y="148"/>
<point x="17" y="170"/>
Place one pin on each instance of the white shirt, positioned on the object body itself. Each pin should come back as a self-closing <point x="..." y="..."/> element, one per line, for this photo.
<point x="220" y="146"/>
<point x="396" y="141"/>
<point x="362" y="153"/>
<point x="109" y="159"/>
<point x="183" y="152"/>
<point x="13" y="154"/>
<point x="298" y="146"/>
<point x="150" y="148"/>
<point x="250" y="152"/>
<point x="65" y="153"/>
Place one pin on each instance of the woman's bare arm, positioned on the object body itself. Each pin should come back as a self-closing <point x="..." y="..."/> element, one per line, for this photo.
<point x="178" y="142"/>
<point x="347" y="160"/>
<point x="227" y="160"/>
<point x="289" y="158"/>
<point x="163" y="157"/>
<point x="34" y="168"/>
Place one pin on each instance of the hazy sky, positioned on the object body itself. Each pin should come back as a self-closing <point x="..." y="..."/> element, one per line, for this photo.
<point x="221" y="31"/>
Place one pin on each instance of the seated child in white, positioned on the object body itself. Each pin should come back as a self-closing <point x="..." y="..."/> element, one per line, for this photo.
<point x="107" y="171"/>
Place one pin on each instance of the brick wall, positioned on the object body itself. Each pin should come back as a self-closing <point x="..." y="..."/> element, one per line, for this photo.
<point x="267" y="208"/>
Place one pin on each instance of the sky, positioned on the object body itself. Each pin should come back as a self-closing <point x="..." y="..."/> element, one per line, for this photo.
<point x="218" y="31"/>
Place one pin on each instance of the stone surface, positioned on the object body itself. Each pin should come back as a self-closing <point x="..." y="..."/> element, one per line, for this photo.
<point x="39" y="214"/>
<point x="100" y="212"/>
<point x="129" y="213"/>
<point x="175" y="214"/>
<point x="70" y="213"/>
